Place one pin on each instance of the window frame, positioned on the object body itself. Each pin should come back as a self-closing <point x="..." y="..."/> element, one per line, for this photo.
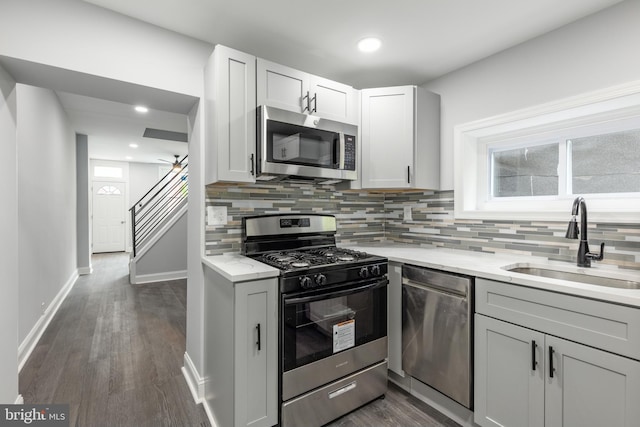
<point x="608" y="110"/>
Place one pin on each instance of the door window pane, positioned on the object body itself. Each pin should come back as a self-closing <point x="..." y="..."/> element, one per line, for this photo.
<point x="608" y="163"/>
<point x="107" y="172"/>
<point x="527" y="171"/>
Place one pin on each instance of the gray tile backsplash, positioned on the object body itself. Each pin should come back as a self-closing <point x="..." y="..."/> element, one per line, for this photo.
<point x="366" y="217"/>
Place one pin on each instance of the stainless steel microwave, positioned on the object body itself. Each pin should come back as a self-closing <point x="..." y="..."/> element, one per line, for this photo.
<point x="301" y="145"/>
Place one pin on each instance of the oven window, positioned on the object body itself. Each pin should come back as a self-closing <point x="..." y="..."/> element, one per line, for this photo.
<point x="329" y="324"/>
<point x="287" y="143"/>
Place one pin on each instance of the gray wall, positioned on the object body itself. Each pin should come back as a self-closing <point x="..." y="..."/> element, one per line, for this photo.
<point x="8" y="242"/>
<point x="168" y="254"/>
<point x="593" y="53"/>
<point x="82" y="213"/>
<point x="46" y="202"/>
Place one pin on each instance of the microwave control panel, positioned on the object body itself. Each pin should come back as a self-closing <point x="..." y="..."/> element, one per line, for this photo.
<point x="349" y="152"/>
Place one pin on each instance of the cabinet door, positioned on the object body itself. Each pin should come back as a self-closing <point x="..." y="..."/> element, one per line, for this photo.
<point x="256" y="367"/>
<point x="234" y="107"/>
<point x="508" y="391"/>
<point x="387" y="137"/>
<point x="590" y="387"/>
<point x="333" y="100"/>
<point x="281" y="87"/>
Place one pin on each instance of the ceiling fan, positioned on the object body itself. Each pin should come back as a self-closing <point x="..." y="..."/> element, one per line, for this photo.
<point x="177" y="165"/>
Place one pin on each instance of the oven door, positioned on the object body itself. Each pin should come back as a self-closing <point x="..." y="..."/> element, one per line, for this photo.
<point x="328" y="334"/>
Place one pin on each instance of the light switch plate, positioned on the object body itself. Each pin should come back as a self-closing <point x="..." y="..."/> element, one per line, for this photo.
<point x="407" y="216"/>
<point x="216" y="215"/>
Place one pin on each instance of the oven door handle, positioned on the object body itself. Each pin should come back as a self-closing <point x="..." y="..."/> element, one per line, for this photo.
<point x="337" y="294"/>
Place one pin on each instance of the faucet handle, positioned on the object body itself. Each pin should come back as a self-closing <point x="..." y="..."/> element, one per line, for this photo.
<point x="597" y="257"/>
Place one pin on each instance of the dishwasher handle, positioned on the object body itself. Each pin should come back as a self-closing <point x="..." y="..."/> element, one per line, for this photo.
<point x="434" y="288"/>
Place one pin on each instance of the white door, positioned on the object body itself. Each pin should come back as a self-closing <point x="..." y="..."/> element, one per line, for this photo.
<point x="108" y="216"/>
<point x="590" y="387"/>
<point x="387" y="137"/>
<point x="281" y="87"/>
<point x="509" y="375"/>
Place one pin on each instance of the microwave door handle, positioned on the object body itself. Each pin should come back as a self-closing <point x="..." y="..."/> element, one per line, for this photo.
<point x="337" y="294"/>
<point x="338" y="148"/>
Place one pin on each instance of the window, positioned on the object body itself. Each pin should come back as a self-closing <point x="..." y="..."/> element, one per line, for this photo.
<point x="107" y="172"/>
<point x="109" y="190"/>
<point x="531" y="164"/>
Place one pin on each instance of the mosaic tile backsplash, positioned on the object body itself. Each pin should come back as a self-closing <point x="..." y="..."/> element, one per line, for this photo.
<point x="365" y="217"/>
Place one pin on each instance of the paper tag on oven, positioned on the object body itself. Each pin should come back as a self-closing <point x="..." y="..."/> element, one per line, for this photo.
<point x="344" y="335"/>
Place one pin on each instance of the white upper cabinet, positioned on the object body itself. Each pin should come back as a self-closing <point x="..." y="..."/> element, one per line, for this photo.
<point x="230" y="106"/>
<point x="400" y="131"/>
<point x="300" y="92"/>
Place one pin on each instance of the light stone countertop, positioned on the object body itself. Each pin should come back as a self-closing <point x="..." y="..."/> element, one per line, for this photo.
<point x="494" y="267"/>
<point x="238" y="268"/>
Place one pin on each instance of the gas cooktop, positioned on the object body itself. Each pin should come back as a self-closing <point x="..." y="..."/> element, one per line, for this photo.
<point x="304" y="258"/>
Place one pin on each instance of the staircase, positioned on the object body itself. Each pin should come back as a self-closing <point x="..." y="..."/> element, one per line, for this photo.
<point x="158" y="229"/>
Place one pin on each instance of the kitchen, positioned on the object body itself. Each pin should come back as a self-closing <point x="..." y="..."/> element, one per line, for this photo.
<point x="467" y="95"/>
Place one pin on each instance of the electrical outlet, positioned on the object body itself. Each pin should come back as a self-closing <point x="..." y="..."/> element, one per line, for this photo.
<point x="407" y="216"/>
<point x="216" y="215"/>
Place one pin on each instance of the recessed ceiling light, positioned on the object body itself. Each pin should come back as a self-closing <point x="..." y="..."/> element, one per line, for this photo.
<point x="128" y="158"/>
<point x="133" y="145"/>
<point x="141" y="109"/>
<point x="369" y="44"/>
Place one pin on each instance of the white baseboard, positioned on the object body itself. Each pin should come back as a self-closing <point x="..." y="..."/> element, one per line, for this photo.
<point x="197" y="387"/>
<point x="26" y="347"/>
<point x="83" y="271"/>
<point x="19" y="400"/>
<point x="157" y="277"/>
<point x="194" y="380"/>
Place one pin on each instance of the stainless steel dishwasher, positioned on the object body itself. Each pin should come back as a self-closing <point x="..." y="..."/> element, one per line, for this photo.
<point x="437" y="311"/>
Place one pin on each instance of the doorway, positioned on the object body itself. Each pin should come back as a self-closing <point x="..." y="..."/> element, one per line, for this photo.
<point x="109" y="199"/>
<point x="109" y="218"/>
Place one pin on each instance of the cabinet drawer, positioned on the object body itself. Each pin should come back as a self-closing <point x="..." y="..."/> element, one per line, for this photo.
<point x="612" y="327"/>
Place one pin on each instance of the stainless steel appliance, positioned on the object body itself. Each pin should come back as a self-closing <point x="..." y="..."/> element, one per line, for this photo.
<point x="302" y="145"/>
<point x="333" y="316"/>
<point x="437" y="310"/>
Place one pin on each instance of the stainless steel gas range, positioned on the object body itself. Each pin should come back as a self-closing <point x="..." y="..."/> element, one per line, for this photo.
<point x="332" y="316"/>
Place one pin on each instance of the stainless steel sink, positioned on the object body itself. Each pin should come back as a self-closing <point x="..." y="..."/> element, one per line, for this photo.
<point x="576" y="277"/>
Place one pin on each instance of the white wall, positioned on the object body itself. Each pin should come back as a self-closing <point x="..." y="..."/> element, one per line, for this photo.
<point x="142" y="176"/>
<point x="593" y="53"/>
<point x="8" y="243"/>
<point x="47" y="256"/>
<point x="195" y="239"/>
<point x="80" y="36"/>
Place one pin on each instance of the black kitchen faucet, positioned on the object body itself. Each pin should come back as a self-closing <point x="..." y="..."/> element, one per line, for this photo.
<point x="584" y="256"/>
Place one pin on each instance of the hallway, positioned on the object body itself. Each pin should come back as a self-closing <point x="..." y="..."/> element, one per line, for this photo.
<point x="114" y="351"/>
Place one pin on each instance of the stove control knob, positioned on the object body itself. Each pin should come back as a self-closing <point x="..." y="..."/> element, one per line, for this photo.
<point x="364" y="272"/>
<point x="375" y="270"/>
<point x="305" y="282"/>
<point x="321" y="279"/>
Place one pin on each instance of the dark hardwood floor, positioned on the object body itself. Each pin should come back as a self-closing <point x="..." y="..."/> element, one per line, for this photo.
<point x="114" y="351"/>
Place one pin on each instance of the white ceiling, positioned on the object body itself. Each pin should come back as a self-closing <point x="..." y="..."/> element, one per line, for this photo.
<point x="112" y="126"/>
<point x="422" y="39"/>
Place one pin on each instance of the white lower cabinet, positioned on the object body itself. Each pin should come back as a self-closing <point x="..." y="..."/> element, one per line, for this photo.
<point x="508" y="392"/>
<point x="256" y="354"/>
<point x="241" y="356"/>
<point x="528" y="378"/>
